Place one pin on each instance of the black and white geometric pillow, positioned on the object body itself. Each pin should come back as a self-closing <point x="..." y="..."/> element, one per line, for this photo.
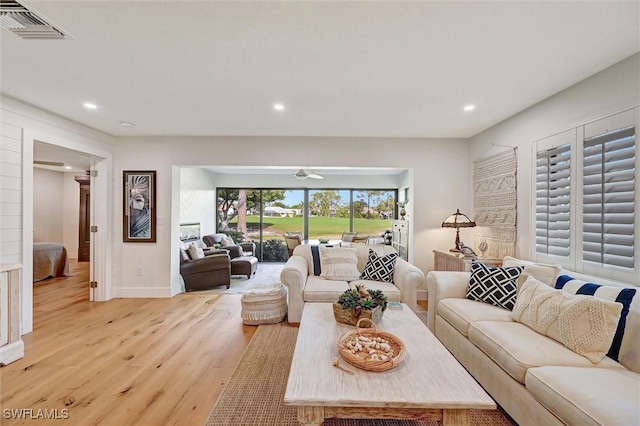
<point x="495" y="286"/>
<point x="379" y="268"/>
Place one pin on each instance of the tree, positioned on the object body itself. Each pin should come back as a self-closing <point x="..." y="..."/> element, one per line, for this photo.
<point x="228" y="203"/>
<point x="369" y="196"/>
<point x="242" y="211"/>
<point x="325" y="203"/>
<point x="385" y="206"/>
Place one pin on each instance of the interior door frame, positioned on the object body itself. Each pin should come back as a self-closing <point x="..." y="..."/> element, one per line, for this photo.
<point x="101" y="212"/>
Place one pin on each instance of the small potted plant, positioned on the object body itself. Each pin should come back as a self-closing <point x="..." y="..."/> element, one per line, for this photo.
<point x="359" y="303"/>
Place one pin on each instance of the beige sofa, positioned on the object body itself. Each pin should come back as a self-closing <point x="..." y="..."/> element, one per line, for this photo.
<point x="537" y="380"/>
<point x="304" y="286"/>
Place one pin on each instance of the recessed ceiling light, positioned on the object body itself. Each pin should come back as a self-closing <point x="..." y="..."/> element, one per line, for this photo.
<point x="126" y="124"/>
<point x="469" y="107"/>
<point x="278" y="107"/>
<point x="90" y="105"/>
<point x="67" y="167"/>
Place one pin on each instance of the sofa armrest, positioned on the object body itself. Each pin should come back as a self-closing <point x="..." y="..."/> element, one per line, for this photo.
<point x="213" y="262"/>
<point x="248" y="247"/>
<point x="294" y="275"/>
<point x="234" y="251"/>
<point x="408" y="278"/>
<point x="444" y="285"/>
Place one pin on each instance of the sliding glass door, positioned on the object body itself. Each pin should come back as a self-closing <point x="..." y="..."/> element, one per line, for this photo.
<point x="265" y="215"/>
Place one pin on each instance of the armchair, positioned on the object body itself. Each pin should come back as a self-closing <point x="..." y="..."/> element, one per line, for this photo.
<point x="202" y="274"/>
<point x="293" y="240"/>
<point x="235" y="250"/>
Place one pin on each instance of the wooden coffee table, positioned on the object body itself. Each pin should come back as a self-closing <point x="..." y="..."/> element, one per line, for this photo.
<point x="428" y="384"/>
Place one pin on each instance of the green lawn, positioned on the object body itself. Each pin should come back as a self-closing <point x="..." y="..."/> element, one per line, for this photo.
<point x="329" y="227"/>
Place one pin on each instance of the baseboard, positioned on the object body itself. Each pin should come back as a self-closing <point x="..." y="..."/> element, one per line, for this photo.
<point x="141" y="292"/>
<point x="11" y="352"/>
<point x="422" y="295"/>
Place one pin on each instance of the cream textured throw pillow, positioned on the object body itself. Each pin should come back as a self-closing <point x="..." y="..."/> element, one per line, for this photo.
<point x="584" y="324"/>
<point x="339" y="263"/>
<point x="545" y="273"/>
<point x="195" y="252"/>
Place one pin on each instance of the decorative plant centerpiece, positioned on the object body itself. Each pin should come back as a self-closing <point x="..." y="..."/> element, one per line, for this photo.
<point x="359" y="303"/>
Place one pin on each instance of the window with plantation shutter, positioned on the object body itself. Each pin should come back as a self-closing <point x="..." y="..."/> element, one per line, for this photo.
<point x="553" y="200"/>
<point x="587" y="197"/>
<point x="609" y="168"/>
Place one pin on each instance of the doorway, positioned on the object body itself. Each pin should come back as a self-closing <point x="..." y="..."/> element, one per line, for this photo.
<point x="61" y="212"/>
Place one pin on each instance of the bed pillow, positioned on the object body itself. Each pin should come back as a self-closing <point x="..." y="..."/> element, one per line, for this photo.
<point x="379" y="268"/>
<point x="611" y="293"/>
<point x="492" y="285"/>
<point x="339" y="263"/>
<point x="584" y="324"/>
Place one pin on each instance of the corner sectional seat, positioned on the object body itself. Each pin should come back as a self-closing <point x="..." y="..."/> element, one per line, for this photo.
<point x="299" y="275"/>
<point x="536" y="379"/>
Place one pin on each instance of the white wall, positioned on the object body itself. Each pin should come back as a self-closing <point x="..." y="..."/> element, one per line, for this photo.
<point x="198" y="199"/>
<point x="614" y="89"/>
<point x="47" y="205"/>
<point x="10" y="193"/>
<point x="436" y="193"/>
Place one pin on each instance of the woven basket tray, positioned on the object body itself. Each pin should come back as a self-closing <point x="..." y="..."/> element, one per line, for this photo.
<point x="362" y="359"/>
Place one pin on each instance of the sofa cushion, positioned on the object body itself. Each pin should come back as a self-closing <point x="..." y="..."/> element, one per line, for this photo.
<point x="587" y="396"/>
<point x="318" y="289"/>
<point x="542" y="272"/>
<point x="614" y="294"/>
<point x="462" y="312"/>
<point x="496" y="286"/>
<point x="516" y="348"/>
<point x="379" y="268"/>
<point x="584" y="324"/>
<point x="338" y="263"/>
<point x="390" y="290"/>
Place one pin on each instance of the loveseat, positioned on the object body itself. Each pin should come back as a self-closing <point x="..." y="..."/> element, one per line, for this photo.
<point x="536" y="379"/>
<point x="301" y="274"/>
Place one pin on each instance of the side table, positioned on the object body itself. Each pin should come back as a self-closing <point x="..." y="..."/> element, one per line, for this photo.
<point x="449" y="261"/>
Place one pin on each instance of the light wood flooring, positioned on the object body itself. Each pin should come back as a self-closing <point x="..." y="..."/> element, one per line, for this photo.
<point x="125" y="361"/>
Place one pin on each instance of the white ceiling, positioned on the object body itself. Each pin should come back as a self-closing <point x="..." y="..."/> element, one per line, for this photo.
<point x="371" y="69"/>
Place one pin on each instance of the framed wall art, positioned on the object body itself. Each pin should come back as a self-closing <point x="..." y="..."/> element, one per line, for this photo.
<point x="139" y="216"/>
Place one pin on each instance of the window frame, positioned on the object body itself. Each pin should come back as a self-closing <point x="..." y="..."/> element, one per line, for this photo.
<point x="576" y="136"/>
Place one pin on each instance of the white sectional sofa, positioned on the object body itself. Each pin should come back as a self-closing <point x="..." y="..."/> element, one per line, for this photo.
<point x="536" y="379"/>
<point x="304" y="286"/>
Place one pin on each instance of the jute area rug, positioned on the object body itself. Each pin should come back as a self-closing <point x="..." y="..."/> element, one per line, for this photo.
<point x="254" y="394"/>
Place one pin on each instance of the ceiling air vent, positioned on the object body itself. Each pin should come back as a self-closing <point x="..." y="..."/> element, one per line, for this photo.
<point x="25" y="23"/>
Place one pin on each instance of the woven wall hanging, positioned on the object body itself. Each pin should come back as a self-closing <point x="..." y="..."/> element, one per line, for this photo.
<point x="495" y="204"/>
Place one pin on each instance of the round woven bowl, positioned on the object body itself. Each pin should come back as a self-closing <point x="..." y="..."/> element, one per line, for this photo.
<point x="361" y="359"/>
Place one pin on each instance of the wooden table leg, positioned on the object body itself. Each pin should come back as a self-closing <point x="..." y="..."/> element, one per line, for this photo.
<point x="455" y="418"/>
<point x="310" y="416"/>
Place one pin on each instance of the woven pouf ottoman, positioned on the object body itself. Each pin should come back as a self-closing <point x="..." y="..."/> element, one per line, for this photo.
<point x="264" y="304"/>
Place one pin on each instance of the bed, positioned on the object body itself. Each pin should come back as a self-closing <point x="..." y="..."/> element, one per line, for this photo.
<point x="49" y="260"/>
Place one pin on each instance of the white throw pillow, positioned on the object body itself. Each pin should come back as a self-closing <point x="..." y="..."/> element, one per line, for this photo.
<point x="227" y="241"/>
<point x="195" y="252"/>
<point x="584" y="324"/>
<point x="545" y="273"/>
<point x="339" y="263"/>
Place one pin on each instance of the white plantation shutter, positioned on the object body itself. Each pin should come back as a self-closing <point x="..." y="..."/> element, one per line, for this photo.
<point x="553" y="195"/>
<point x="609" y="164"/>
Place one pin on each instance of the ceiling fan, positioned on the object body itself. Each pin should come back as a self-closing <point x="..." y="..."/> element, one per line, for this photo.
<point x="48" y="163"/>
<point x="301" y="174"/>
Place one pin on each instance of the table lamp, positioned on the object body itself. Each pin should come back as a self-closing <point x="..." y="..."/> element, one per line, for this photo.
<point x="457" y="221"/>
